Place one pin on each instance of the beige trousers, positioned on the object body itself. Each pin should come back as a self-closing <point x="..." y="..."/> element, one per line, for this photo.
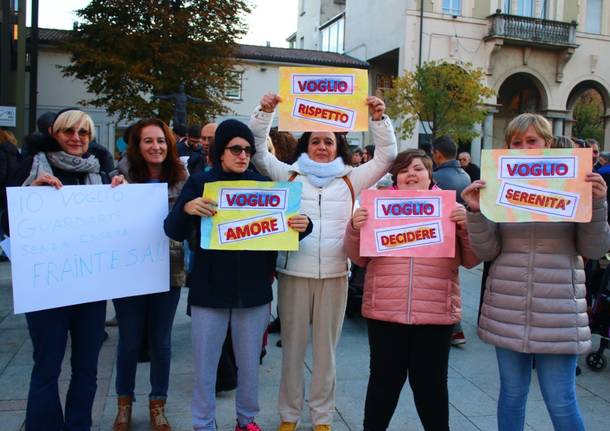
<point x="321" y="304"/>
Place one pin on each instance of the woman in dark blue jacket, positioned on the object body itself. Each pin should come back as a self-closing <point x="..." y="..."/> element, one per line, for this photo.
<point x="226" y="287"/>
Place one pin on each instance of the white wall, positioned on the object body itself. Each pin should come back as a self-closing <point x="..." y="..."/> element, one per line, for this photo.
<point x="373" y="28"/>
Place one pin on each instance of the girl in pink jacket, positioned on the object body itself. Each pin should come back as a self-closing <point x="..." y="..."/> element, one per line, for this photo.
<point x="410" y="304"/>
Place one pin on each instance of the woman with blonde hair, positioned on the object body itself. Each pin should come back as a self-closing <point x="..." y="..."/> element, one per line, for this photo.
<point x="64" y="158"/>
<point x="534" y="304"/>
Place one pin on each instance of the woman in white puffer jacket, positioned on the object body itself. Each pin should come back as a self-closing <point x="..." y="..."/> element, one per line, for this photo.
<point x="313" y="280"/>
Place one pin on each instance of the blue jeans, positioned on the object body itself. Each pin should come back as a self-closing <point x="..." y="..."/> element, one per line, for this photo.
<point x="49" y="333"/>
<point x="557" y="378"/>
<point x="142" y="316"/>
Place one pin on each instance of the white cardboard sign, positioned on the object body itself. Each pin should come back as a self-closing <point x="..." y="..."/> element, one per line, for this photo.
<point x="87" y="243"/>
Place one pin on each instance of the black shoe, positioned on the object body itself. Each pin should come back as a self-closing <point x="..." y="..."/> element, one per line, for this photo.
<point x="279" y="343"/>
<point x="578" y="370"/>
<point x="275" y="327"/>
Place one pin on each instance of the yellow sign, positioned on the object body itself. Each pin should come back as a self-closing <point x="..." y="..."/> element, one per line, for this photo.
<point x="323" y="99"/>
<point x="252" y="215"/>
<point x="546" y="185"/>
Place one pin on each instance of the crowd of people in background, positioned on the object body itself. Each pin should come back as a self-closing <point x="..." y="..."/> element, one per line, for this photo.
<point x="230" y="314"/>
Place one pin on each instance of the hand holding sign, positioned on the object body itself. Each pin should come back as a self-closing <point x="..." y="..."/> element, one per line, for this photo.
<point x="298" y="223"/>
<point x="376" y="107"/>
<point x="458" y="215"/>
<point x="47" y="180"/>
<point x="599" y="188"/>
<point x="269" y="102"/>
<point x="201" y="207"/>
<point x="361" y="215"/>
<point x="472" y="195"/>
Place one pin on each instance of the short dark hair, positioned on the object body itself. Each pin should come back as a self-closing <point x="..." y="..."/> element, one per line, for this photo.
<point x="342" y="145"/>
<point x="284" y="144"/>
<point x="371" y="150"/>
<point x="357" y="151"/>
<point x="45" y="121"/>
<point x="445" y="146"/>
<point x="194" y="131"/>
<point x="179" y="130"/>
<point x="405" y="158"/>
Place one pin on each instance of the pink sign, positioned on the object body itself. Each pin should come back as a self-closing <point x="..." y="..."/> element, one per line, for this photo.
<point x="408" y="223"/>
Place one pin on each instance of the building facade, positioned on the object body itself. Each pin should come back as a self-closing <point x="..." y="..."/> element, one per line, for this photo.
<point x="538" y="55"/>
<point x="257" y="70"/>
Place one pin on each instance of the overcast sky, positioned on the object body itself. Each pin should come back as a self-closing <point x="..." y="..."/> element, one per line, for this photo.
<point x="270" y="20"/>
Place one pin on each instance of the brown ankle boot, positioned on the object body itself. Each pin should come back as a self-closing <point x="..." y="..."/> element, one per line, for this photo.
<point x="122" y="422"/>
<point x="157" y="416"/>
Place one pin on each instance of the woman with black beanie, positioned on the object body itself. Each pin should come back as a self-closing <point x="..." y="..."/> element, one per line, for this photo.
<point x="227" y="287"/>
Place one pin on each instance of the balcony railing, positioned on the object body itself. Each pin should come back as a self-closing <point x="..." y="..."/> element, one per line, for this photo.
<point x="524" y="30"/>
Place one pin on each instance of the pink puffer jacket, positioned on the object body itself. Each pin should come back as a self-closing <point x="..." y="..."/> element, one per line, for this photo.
<point x="412" y="291"/>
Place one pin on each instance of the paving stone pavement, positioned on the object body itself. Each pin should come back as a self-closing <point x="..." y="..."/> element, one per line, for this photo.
<point x="473" y="378"/>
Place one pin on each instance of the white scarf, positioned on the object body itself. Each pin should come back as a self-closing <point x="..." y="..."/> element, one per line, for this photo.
<point x="320" y="174"/>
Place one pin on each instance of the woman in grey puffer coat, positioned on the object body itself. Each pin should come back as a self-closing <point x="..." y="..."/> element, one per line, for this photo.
<point x="534" y="303"/>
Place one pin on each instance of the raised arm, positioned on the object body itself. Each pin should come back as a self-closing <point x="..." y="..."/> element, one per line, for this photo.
<point x="382" y="134"/>
<point x="260" y="123"/>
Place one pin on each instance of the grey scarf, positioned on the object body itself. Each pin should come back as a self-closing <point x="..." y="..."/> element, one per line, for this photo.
<point x="43" y="163"/>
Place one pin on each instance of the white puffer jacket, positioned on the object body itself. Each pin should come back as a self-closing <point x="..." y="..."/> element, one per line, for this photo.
<point x="321" y="253"/>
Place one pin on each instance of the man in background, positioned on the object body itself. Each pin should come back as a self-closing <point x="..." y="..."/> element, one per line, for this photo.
<point x="470" y="168"/>
<point x="448" y="175"/>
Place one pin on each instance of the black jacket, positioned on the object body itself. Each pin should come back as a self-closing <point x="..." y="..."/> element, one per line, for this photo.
<point x="10" y="158"/>
<point x="222" y="278"/>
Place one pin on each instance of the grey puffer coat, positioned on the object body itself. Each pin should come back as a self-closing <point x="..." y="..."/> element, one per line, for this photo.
<point x="534" y="300"/>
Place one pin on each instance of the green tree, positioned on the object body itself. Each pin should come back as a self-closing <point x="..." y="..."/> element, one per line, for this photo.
<point x="128" y="50"/>
<point x="447" y="96"/>
<point x="588" y="113"/>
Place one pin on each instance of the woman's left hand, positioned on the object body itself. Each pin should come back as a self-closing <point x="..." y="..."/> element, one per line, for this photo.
<point x="376" y="107"/>
<point x="599" y="187"/>
<point x="458" y="216"/>
<point x="298" y="222"/>
<point x="117" y="180"/>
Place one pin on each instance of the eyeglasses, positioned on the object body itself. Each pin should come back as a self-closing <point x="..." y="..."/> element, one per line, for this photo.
<point x="237" y="149"/>
<point x="70" y="131"/>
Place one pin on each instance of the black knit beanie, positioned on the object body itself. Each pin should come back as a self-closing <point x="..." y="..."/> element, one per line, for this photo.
<point x="226" y="131"/>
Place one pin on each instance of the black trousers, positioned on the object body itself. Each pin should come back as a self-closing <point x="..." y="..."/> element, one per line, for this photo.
<point x="422" y="353"/>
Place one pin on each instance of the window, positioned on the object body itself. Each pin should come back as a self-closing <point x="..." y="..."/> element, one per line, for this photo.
<point x="233" y="89"/>
<point x="452" y="7"/>
<point x="593" y="23"/>
<point x="301" y="7"/>
<point x="333" y="35"/>
<point x="526" y="8"/>
<point x="302" y="42"/>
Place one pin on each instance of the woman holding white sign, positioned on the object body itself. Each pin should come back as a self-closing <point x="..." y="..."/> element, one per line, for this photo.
<point x="411" y="305"/>
<point x="226" y="287"/>
<point x="534" y="303"/>
<point x="152" y="157"/>
<point x="63" y="158"/>
<point x="313" y="281"/>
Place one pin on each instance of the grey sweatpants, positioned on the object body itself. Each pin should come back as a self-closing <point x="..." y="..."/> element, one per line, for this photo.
<point x="209" y="329"/>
